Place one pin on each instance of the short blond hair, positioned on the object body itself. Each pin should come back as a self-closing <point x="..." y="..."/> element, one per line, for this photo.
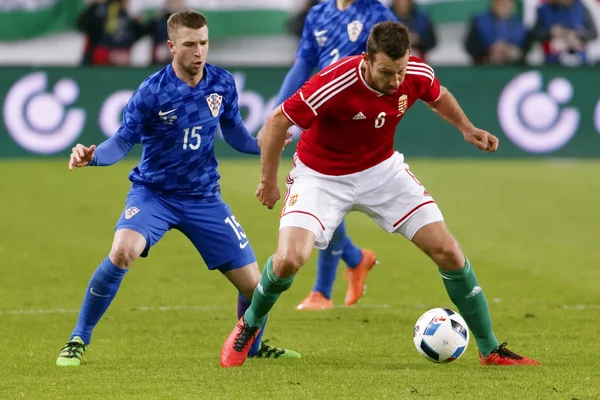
<point x="187" y="18"/>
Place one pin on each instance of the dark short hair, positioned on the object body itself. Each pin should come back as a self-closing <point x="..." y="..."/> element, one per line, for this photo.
<point x="390" y="38"/>
<point x="187" y="18"/>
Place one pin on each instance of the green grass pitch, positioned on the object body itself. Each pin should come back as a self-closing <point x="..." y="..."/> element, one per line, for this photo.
<point x="531" y="229"/>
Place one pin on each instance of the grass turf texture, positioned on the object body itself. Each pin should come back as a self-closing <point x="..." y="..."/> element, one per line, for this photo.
<point x="530" y="229"/>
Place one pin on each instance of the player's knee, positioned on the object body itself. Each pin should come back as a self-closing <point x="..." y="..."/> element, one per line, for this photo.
<point x="289" y="261"/>
<point x="123" y="255"/>
<point x="447" y="254"/>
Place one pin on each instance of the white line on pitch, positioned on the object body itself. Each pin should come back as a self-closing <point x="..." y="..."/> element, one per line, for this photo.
<point x="159" y="308"/>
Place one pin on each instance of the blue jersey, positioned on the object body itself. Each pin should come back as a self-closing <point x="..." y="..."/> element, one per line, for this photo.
<point x="176" y="125"/>
<point x="330" y="34"/>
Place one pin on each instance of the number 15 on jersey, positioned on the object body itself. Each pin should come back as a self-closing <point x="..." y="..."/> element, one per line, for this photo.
<point x="191" y="139"/>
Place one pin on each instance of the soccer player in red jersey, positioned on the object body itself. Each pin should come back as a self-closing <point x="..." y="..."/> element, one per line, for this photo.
<point x="346" y="161"/>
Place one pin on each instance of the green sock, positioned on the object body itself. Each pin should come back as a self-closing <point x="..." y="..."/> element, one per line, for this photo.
<point x="266" y="294"/>
<point x="466" y="294"/>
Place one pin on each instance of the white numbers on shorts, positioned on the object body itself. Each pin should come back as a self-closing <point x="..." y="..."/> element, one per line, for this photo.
<point x="380" y="120"/>
<point x="335" y="53"/>
<point x="237" y="228"/>
<point x="193" y="137"/>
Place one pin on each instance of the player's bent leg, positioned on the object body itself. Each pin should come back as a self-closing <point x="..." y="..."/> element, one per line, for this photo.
<point x="327" y="263"/>
<point x="294" y="248"/>
<point x="357" y="271"/>
<point x="101" y="290"/>
<point x="245" y="279"/>
<point x="127" y="246"/>
<point x="359" y="263"/>
<point x="465" y="292"/>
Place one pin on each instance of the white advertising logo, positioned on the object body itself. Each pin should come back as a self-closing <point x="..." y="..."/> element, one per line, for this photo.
<point x="38" y="120"/>
<point x="533" y="118"/>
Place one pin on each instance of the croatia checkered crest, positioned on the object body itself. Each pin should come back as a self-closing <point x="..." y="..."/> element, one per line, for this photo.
<point x="441" y="335"/>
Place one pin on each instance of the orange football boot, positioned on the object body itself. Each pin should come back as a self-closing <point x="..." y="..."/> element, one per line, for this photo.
<point x="236" y="347"/>
<point x="503" y="356"/>
<point x="357" y="277"/>
<point x="314" y="302"/>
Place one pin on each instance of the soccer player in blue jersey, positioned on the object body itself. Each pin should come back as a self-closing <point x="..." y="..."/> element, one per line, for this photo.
<point x="335" y="29"/>
<point x="174" y="114"/>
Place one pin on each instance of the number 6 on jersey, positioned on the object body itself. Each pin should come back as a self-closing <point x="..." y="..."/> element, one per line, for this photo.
<point x="380" y="120"/>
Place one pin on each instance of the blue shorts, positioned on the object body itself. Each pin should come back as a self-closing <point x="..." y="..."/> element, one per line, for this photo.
<point x="210" y="226"/>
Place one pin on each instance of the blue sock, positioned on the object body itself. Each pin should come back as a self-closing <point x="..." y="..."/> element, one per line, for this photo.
<point x="328" y="262"/>
<point x="351" y="255"/>
<point x="243" y="305"/>
<point x="102" y="289"/>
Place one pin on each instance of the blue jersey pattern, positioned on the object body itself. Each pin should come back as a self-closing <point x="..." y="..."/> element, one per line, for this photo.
<point x="176" y="125"/>
<point x="330" y="34"/>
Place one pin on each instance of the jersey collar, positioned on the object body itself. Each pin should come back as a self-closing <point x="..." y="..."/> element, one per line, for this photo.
<point x="362" y="79"/>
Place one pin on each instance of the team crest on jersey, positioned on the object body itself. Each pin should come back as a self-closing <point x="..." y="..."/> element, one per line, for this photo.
<point x="214" y="102"/>
<point x="402" y="104"/>
<point x="131" y="211"/>
<point x="354" y="30"/>
<point x="293" y="199"/>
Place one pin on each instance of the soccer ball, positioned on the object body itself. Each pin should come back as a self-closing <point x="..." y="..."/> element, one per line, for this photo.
<point x="441" y="335"/>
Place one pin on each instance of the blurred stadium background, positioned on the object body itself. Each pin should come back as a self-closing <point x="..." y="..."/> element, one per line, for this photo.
<point x="43" y="51"/>
<point x="526" y="216"/>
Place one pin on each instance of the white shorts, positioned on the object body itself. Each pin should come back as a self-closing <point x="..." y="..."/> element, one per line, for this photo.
<point x="388" y="193"/>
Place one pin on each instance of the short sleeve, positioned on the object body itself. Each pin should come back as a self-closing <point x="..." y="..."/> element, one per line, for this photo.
<point x="307" y="103"/>
<point x="427" y="85"/>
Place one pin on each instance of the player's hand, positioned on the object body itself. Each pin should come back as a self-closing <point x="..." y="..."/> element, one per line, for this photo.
<point x="481" y="139"/>
<point x="81" y="156"/>
<point x="268" y="194"/>
<point x="288" y="139"/>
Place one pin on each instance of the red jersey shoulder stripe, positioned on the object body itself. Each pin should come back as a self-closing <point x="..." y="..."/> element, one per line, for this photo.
<point x="330" y="89"/>
<point x="333" y="68"/>
<point x="418" y="68"/>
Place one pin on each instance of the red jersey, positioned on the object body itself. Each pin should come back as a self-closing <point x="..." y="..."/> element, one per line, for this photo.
<point x="349" y="126"/>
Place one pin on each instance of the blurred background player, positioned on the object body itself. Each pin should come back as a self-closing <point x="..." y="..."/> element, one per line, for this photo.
<point x="422" y="33"/>
<point x="110" y="33"/>
<point x="156" y="28"/>
<point x="345" y="163"/>
<point x="497" y="36"/>
<point x="174" y="114"/>
<point x="564" y="28"/>
<point x="333" y="30"/>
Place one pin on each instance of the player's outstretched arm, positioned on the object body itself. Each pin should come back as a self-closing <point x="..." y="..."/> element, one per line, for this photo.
<point x="272" y="141"/>
<point x="108" y="152"/>
<point x="239" y="138"/>
<point x="448" y="108"/>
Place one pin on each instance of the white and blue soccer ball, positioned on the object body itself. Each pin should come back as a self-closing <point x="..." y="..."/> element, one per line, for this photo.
<point x="441" y="335"/>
